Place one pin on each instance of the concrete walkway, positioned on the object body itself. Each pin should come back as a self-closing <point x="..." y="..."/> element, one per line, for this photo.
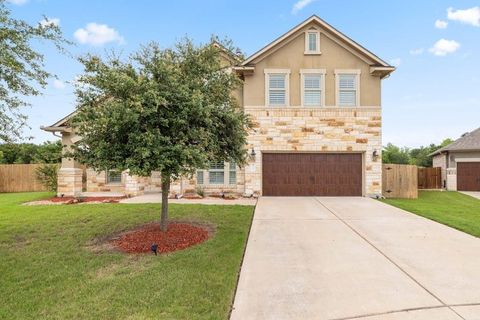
<point x="355" y="258"/>
<point x="475" y="194"/>
<point x="157" y="198"/>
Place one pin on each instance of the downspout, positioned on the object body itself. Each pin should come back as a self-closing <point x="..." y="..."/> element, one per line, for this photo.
<point x="446" y="170"/>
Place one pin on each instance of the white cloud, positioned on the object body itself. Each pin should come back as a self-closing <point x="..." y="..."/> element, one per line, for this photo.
<point x="443" y="47"/>
<point x="417" y="51"/>
<point x="50" y="21"/>
<point x="57" y="84"/>
<point x="299" y="5"/>
<point x="395" y="62"/>
<point x="97" y="35"/>
<point x="441" y="24"/>
<point x="18" y="2"/>
<point x="468" y="16"/>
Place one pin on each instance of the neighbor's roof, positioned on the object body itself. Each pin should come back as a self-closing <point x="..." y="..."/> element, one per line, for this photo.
<point x="379" y="62"/>
<point x="468" y="142"/>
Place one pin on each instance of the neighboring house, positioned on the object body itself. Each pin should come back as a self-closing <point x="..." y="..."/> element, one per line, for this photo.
<point x="460" y="163"/>
<point x="314" y="96"/>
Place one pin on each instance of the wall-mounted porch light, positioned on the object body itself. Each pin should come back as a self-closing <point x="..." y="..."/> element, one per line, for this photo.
<point x="253" y="153"/>
<point x="375" y="155"/>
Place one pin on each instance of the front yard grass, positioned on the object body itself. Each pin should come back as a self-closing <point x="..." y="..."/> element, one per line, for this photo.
<point x="453" y="209"/>
<point x="48" y="269"/>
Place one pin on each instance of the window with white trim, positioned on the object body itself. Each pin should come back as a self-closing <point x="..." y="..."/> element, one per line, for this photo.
<point x="277" y="89"/>
<point x="312" y="42"/>
<point x="232" y="173"/>
<point x="216" y="173"/>
<point x="113" y="177"/>
<point x="312" y="89"/>
<point x="348" y="94"/>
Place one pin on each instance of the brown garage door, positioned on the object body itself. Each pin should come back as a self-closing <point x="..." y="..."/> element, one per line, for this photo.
<point x="312" y="174"/>
<point x="468" y="176"/>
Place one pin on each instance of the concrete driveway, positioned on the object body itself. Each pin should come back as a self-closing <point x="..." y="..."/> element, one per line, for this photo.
<point x="355" y="258"/>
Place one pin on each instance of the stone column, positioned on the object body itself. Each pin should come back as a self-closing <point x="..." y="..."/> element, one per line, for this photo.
<point x="133" y="185"/>
<point x="70" y="174"/>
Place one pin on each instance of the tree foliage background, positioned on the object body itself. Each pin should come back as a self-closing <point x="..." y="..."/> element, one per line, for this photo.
<point x="416" y="156"/>
<point x="22" y="69"/>
<point x="47" y="152"/>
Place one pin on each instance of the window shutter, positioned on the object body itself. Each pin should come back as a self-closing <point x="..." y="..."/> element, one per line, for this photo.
<point x="232" y="173"/>
<point x="200" y="176"/>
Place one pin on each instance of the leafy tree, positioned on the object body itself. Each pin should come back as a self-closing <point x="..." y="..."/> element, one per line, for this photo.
<point x="167" y="110"/>
<point x="394" y="154"/>
<point x="47" y="152"/>
<point x="22" y="71"/>
<point x="416" y="156"/>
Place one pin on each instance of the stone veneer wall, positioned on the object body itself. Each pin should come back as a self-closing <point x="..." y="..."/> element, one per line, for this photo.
<point x="316" y="130"/>
<point x="135" y="185"/>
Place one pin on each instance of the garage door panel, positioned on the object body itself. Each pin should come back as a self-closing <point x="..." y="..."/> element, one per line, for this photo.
<point x="468" y="176"/>
<point x="313" y="174"/>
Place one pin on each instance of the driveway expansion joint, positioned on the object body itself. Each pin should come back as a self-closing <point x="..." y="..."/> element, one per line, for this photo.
<point x="444" y="305"/>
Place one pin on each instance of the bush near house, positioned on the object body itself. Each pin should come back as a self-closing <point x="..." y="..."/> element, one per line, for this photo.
<point x="47" y="176"/>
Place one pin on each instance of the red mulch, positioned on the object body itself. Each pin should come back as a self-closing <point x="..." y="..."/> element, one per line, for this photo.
<point x="178" y="236"/>
<point x="86" y="199"/>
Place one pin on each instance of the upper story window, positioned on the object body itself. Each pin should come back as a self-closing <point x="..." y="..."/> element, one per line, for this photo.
<point x="348" y="88"/>
<point x="312" y="87"/>
<point x="277" y="87"/>
<point x="312" y="42"/>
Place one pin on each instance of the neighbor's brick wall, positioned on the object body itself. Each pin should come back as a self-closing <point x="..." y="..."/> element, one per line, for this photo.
<point x="316" y="130"/>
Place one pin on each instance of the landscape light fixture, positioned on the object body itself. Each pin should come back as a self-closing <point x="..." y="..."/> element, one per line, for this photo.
<point x="154" y="248"/>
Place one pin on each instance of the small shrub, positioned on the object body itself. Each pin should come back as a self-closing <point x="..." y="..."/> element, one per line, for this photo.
<point x="200" y="191"/>
<point x="47" y="176"/>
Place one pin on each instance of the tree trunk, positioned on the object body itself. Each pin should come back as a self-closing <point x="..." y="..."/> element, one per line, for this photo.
<point x="165" y="192"/>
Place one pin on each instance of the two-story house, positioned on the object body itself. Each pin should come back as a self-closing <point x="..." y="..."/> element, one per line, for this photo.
<point x="314" y="96"/>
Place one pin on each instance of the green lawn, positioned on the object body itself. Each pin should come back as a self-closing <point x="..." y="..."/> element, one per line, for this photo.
<point x="49" y="271"/>
<point x="453" y="209"/>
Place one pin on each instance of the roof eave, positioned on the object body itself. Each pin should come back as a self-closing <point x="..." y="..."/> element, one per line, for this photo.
<point x="381" y="71"/>
<point x="328" y="27"/>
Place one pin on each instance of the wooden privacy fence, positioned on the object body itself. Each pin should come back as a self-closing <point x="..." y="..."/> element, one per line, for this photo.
<point x="19" y="178"/>
<point x="430" y="178"/>
<point x="399" y="181"/>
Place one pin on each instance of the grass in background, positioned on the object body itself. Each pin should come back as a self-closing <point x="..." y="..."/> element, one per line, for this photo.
<point x="451" y="208"/>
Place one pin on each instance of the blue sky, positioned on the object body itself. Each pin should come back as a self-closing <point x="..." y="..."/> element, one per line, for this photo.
<point x="434" y="94"/>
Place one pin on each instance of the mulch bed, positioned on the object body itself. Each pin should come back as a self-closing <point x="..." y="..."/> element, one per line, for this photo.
<point x="178" y="236"/>
<point x="71" y="200"/>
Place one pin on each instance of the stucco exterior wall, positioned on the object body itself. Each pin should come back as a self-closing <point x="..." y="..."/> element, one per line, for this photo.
<point x="290" y="55"/>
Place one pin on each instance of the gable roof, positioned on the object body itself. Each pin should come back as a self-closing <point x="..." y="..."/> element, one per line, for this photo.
<point x="326" y="26"/>
<point x="467" y="142"/>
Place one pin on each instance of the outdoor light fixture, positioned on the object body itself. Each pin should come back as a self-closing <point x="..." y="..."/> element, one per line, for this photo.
<point x="154" y="248"/>
<point x="375" y="154"/>
<point x="253" y="153"/>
